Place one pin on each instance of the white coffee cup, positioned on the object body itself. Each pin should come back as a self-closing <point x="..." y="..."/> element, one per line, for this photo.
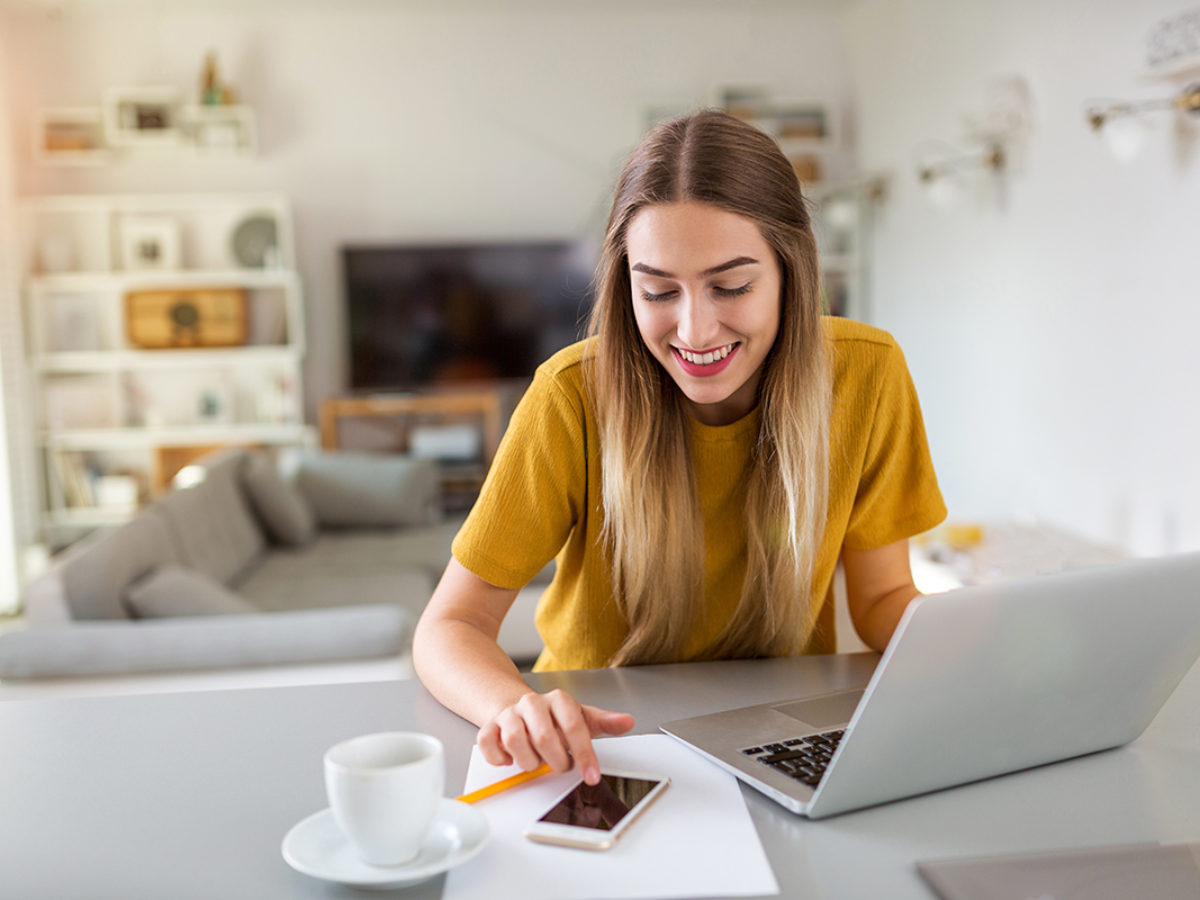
<point x="384" y="790"/>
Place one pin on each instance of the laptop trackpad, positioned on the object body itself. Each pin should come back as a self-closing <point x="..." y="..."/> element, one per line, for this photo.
<point x="824" y="712"/>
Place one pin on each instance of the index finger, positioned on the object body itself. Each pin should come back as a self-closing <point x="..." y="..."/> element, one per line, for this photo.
<point x="569" y="716"/>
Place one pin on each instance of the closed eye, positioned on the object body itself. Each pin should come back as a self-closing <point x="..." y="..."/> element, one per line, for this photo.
<point x="657" y="298"/>
<point x="733" y="292"/>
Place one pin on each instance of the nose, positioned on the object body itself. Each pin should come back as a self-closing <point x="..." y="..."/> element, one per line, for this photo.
<point x="697" y="327"/>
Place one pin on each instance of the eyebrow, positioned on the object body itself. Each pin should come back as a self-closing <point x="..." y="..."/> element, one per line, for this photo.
<point x="715" y="270"/>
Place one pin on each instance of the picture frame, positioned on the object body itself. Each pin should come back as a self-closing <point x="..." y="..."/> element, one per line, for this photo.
<point x="142" y="116"/>
<point x="150" y="244"/>
<point x="214" y="403"/>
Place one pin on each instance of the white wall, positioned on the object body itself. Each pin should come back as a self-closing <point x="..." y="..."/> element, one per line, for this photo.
<point x="1052" y="338"/>
<point x="401" y="120"/>
<point x="391" y="120"/>
<point x="1049" y="338"/>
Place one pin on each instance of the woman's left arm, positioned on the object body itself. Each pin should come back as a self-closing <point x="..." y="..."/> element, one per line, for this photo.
<point x="879" y="585"/>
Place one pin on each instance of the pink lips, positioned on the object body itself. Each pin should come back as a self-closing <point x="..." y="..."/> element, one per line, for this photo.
<point x="699" y="371"/>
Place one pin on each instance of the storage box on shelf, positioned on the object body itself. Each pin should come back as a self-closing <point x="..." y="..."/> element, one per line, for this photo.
<point x="156" y="323"/>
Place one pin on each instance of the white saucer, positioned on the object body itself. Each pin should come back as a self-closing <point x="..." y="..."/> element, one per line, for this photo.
<point x="317" y="847"/>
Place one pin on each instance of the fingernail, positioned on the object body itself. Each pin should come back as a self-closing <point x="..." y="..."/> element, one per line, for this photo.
<point x="592" y="775"/>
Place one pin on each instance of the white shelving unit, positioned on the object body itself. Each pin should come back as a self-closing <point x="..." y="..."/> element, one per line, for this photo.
<point x="842" y="215"/>
<point x="86" y="136"/>
<point x="806" y="130"/>
<point x="810" y="135"/>
<point x="116" y="414"/>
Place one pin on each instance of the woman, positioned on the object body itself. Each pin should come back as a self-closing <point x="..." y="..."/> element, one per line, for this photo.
<point x="697" y="466"/>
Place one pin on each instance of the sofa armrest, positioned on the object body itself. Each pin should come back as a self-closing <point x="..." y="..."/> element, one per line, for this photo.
<point x="209" y="642"/>
<point x="44" y="599"/>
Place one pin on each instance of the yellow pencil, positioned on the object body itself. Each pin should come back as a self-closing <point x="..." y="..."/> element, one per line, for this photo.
<point x="504" y="784"/>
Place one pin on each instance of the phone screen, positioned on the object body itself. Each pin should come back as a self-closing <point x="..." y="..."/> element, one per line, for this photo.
<point x="600" y="806"/>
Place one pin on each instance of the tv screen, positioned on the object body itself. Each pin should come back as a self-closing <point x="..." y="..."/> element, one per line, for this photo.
<point x="421" y="316"/>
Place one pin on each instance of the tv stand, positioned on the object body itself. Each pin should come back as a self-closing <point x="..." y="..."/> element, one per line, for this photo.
<point x="487" y="403"/>
<point x="486" y="406"/>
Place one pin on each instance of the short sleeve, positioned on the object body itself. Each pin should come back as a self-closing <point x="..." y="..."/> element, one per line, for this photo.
<point x="534" y="491"/>
<point x="898" y="495"/>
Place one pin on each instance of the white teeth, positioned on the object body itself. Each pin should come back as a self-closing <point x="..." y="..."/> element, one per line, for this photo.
<point x="706" y="359"/>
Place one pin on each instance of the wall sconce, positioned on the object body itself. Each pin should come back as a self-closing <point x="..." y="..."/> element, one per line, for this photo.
<point x="990" y="158"/>
<point x="1123" y="129"/>
<point x="943" y="179"/>
<point x="997" y="126"/>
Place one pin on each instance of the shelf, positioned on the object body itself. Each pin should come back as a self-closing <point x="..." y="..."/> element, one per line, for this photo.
<point x="185" y="358"/>
<point x="114" y="391"/>
<point x="123" y="203"/>
<point x="98" y="135"/>
<point x="183" y="435"/>
<point x="219" y="132"/>
<point x="98" y="157"/>
<point x="237" y="237"/>
<point x="178" y="278"/>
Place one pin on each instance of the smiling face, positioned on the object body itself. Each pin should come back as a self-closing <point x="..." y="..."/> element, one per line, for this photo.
<point x="706" y="295"/>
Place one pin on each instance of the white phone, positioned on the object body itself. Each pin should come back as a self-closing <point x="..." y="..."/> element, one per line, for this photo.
<point x="592" y="817"/>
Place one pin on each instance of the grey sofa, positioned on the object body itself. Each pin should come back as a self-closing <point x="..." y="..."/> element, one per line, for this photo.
<point x="250" y="567"/>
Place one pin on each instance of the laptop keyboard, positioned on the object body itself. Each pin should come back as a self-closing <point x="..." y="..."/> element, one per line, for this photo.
<point x="803" y="758"/>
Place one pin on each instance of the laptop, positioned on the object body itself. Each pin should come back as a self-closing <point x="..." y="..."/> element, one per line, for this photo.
<point x="975" y="682"/>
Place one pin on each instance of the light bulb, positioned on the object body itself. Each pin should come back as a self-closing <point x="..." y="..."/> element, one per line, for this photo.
<point x="841" y="214"/>
<point x="1125" y="137"/>
<point x="945" y="190"/>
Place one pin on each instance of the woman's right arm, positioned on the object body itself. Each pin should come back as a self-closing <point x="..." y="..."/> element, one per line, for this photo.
<point x="458" y="659"/>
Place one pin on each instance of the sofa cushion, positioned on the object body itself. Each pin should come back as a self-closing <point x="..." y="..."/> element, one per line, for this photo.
<point x="368" y="550"/>
<point x="211" y="524"/>
<point x="274" y="587"/>
<point x="176" y="591"/>
<point x="365" y="490"/>
<point x="211" y="642"/>
<point x="281" y="508"/>
<point x="96" y="572"/>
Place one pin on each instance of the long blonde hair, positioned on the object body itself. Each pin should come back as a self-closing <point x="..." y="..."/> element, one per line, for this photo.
<point x="653" y="528"/>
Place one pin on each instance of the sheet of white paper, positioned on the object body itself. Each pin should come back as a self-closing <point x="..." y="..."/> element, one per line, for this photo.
<point x="696" y="840"/>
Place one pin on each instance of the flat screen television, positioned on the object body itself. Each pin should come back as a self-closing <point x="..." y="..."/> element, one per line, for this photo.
<point x="423" y="316"/>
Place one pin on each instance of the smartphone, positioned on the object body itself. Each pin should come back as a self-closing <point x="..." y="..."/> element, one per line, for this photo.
<point x="593" y="816"/>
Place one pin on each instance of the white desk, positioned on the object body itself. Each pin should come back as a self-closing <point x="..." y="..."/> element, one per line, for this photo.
<point x="189" y="795"/>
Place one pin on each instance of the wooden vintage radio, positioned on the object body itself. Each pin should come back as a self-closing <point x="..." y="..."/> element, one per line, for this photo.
<point x="191" y="317"/>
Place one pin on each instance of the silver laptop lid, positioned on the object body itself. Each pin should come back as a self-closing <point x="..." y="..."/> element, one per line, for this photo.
<point x="987" y="680"/>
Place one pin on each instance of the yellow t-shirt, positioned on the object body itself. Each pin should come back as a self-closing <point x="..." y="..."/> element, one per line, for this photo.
<point x="542" y="495"/>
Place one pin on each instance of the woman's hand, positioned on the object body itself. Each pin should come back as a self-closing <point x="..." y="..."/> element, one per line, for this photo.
<point x="553" y="728"/>
<point x="456" y="654"/>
